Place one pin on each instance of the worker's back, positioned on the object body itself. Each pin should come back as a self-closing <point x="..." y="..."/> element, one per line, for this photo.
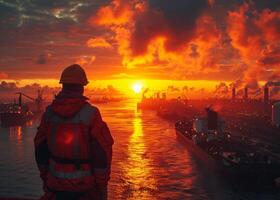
<point x="73" y="148"/>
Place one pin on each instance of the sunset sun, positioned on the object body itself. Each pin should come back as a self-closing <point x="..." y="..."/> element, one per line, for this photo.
<point x="137" y="87"/>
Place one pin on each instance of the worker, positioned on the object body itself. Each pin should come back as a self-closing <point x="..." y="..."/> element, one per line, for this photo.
<point x="73" y="145"/>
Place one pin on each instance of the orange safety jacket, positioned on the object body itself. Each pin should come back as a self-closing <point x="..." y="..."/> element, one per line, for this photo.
<point x="73" y="147"/>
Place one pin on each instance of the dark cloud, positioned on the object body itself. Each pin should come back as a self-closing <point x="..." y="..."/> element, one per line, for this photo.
<point x="48" y="12"/>
<point x="176" y="20"/>
<point x="264" y="4"/>
<point x="260" y="4"/>
<point x="52" y="3"/>
<point x="7" y="11"/>
<point x="28" y="28"/>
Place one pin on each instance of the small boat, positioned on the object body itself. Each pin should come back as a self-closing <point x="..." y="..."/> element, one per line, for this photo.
<point x="233" y="157"/>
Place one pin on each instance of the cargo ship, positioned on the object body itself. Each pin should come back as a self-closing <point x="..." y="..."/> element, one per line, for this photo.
<point x="236" y="158"/>
<point x="17" y="113"/>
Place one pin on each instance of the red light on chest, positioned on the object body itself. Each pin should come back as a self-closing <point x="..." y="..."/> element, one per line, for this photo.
<point x="65" y="138"/>
<point x="65" y="135"/>
<point x="68" y="138"/>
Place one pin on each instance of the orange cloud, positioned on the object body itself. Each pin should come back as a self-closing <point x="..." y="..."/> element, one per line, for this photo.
<point x="146" y="36"/>
<point x="150" y="36"/>
<point x="118" y="12"/>
<point x="85" y="60"/>
<point x="255" y="34"/>
<point x="98" y="42"/>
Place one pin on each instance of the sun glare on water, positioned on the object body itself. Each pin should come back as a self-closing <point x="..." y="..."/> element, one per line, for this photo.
<point x="137" y="87"/>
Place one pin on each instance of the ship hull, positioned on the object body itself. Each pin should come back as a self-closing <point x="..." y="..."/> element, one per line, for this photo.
<point x="199" y="154"/>
<point x="257" y="173"/>
<point x="13" y="119"/>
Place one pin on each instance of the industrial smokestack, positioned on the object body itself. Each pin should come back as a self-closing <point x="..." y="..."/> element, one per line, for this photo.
<point x="164" y="96"/>
<point x="158" y="95"/>
<point x="233" y="93"/>
<point x="245" y="93"/>
<point x="266" y="95"/>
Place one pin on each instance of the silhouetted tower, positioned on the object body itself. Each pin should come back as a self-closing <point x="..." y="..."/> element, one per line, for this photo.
<point x="158" y="95"/>
<point x="39" y="100"/>
<point x="164" y="96"/>
<point x="245" y="93"/>
<point x="266" y="95"/>
<point x="233" y="93"/>
<point x="20" y="99"/>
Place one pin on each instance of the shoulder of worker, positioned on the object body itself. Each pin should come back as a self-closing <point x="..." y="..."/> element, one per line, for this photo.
<point x="101" y="130"/>
<point x="93" y="109"/>
<point x="87" y="113"/>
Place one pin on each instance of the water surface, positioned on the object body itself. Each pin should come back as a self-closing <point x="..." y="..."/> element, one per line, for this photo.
<point x="148" y="161"/>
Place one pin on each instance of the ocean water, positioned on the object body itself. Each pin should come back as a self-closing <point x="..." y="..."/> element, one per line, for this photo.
<point x="148" y="162"/>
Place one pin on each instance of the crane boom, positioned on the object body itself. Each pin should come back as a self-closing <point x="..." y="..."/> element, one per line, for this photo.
<point x="39" y="100"/>
<point x="20" y="93"/>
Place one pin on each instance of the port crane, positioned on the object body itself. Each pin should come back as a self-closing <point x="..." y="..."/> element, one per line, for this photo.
<point x="39" y="100"/>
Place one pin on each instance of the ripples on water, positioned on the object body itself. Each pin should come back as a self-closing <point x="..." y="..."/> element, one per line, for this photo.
<point x="148" y="162"/>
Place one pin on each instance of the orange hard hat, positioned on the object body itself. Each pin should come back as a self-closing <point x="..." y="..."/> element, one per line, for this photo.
<point x="74" y="74"/>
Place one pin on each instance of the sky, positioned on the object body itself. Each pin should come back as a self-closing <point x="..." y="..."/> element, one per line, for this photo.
<point x="219" y="40"/>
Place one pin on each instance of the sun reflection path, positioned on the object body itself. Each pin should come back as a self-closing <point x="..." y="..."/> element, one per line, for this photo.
<point x="141" y="182"/>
